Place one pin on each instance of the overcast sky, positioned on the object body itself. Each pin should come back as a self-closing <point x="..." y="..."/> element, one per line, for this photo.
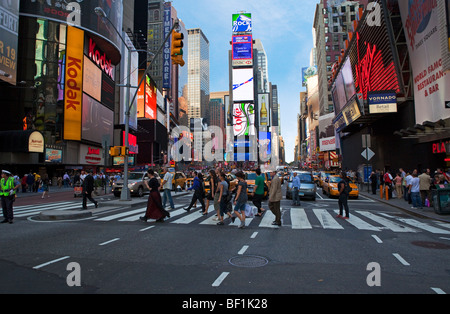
<point x="285" y="30"/>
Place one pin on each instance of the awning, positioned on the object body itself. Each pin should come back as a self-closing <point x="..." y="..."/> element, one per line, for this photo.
<point x="29" y="141"/>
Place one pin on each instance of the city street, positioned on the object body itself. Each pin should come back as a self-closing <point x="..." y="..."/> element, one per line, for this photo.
<point x="312" y="252"/>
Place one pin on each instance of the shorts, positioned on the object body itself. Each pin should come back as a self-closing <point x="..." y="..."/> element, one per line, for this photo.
<point x="240" y="207"/>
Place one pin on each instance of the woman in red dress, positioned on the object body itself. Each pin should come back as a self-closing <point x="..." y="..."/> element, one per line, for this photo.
<point x="154" y="205"/>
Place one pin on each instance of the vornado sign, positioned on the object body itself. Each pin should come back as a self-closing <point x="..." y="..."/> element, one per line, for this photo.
<point x="382" y="102"/>
<point x="74" y="83"/>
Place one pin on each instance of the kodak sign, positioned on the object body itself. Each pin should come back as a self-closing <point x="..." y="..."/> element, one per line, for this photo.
<point x="73" y="93"/>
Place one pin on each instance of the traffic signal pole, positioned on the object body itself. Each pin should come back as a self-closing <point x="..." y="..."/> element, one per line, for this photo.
<point x="125" y="193"/>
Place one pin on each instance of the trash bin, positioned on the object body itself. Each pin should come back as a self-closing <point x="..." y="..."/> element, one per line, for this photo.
<point x="441" y="200"/>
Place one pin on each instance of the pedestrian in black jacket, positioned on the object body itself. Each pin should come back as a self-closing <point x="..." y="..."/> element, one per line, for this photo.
<point x="88" y="187"/>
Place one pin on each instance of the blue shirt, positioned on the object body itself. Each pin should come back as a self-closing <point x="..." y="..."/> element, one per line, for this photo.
<point x="296" y="182"/>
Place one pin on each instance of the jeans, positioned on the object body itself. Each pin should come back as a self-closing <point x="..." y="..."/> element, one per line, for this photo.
<point x="295" y="196"/>
<point x="415" y="198"/>
<point x="343" y="204"/>
<point x="168" y="194"/>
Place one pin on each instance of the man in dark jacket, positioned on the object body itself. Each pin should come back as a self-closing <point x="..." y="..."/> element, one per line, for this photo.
<point x="88" y="187"/>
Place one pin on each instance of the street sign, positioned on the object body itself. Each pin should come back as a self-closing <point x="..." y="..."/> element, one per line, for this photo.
<point x="368" y="154"/>
<point x="365" y="140"/>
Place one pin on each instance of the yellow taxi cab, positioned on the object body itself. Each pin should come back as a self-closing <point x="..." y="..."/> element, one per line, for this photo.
<point x="323" y="176"/>
<point x="179" y="179"/>
<point x="315" y="175"/>
<point x="330" y="187"/>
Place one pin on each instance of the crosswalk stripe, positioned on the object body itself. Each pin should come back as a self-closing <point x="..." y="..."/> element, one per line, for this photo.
<point x="359" y="223"/>
<point x="28" y="207"/>
<point x="299" y="220"/>
<point x="385" y="222"/>
<point x="191" y="217"/>
<point x="266" y="221"/>
<point x="420" y="225"/>
<point x="30" y="212"/>
<point x="326" y="220"/>
<point x="127" y="213"/>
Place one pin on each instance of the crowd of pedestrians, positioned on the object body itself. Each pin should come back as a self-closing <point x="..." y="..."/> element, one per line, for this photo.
<point x="229" y="201"/>
<point x="413" y="186"/>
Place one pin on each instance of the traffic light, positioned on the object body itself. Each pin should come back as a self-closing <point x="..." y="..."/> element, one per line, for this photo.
<point x="114" y="151"/>
<point x="176" y="50"/>
<point x="123" y="151"/>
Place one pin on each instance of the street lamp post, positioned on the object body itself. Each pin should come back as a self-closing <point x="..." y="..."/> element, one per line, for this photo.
<point x="125" y="193"/>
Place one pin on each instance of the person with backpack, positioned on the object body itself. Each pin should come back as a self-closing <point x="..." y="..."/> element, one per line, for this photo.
<point x="344" y="191"/>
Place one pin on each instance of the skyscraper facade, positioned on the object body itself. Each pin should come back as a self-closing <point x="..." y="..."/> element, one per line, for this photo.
<point x="198" y="74"/>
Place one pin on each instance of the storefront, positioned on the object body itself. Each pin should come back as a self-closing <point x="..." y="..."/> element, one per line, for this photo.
<point x="65" y="87"/>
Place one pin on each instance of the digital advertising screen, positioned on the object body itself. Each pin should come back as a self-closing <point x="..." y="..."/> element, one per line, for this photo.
<point x="243" y="86"/>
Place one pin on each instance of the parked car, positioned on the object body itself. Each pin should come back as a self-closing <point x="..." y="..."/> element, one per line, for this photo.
<point x="330" y="187"/>
<point x="136" y="184"/>
<point x="307" y="186"/>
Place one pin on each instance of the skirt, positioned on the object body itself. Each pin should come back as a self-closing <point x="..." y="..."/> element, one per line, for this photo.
<point x="154" y="207"/>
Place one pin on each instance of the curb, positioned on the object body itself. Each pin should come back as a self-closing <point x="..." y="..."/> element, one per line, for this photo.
<point x="410" y="211"/>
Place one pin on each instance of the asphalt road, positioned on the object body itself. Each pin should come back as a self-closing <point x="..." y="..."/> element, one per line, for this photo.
<point x="312" y="253"/>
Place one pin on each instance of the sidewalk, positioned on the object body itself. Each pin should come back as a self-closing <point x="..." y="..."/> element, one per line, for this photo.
<point x="425" y="212"/>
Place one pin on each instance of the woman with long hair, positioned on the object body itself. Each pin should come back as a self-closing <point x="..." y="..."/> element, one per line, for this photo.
<point x="154" y="204"/>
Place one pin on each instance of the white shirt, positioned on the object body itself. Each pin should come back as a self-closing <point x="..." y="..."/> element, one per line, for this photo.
<point x="168" y="178"/>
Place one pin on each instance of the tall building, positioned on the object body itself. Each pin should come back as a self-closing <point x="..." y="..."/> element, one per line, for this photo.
<point x="332" y="22"/>
<point x="262" y="67"/>
<point x="198" y="74"/>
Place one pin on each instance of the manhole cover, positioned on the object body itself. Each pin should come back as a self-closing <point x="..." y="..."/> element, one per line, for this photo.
<point x="432" y="245"/>
<point x="248" y="261"/>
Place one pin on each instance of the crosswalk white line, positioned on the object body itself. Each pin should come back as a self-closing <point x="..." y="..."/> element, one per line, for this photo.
<point x="326" y="220"/>
<point x="385" y="222"/>
<point x="191" y="217"/>
<point x="29" y="212"/>
<point x="359" y="223"/>
<point x="120" y="215"/>
<point x="299" y="220"/>
<point x="28" y="207"/>
<point x="419" y="225"/>
<point x="266" y="221"/>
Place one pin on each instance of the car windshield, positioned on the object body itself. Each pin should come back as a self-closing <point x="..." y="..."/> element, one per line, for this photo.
<point x="251" y="176"/>
<point x="135" y="176"/>
<point x="305" y="177"/>
<point x="335" y="179"/>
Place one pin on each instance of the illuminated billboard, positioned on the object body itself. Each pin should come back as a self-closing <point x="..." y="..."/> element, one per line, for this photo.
<point x="242" y="50"/>
<point x="243" y="119"/>
<point x="74" y="83"/>
<point x="242" y="23"/>
<point x="243" y="87"/>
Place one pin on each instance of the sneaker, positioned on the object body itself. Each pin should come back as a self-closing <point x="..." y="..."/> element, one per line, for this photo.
<point x="220" y="223"/>
<point x="338" y="216"/>
<point x="413" y="207"/>
<point x="242" y="225"/>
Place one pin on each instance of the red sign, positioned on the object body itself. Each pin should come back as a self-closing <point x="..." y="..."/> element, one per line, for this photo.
<point x="441" y="147"/>
<point x="100" y="58"/>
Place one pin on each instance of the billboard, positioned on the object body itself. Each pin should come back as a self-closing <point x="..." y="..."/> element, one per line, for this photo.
<point x="243" y="87"/>
<point x="242" y="23"/>
<point x="242" y="50"/>
<point x="74" y="84"/>
<point x="97" y="121"/>
<point x="243" y="119"/>
<point x="167" y="61"/>
<point x="422" y="27"/>
<point x="57" y="10"/>
<point x="307" y="73"/>
<point x="9" y="24"/>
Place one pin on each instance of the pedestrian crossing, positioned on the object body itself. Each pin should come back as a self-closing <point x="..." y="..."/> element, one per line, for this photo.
<point x="31" y="210"/>
<point x="295" y="218"/>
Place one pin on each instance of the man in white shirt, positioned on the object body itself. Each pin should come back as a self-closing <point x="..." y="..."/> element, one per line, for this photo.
<point x="167" y="188"/>
<point x="414" y="190"/>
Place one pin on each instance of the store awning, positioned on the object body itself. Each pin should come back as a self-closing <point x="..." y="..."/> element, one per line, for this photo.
<point x="30" y="141"/>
